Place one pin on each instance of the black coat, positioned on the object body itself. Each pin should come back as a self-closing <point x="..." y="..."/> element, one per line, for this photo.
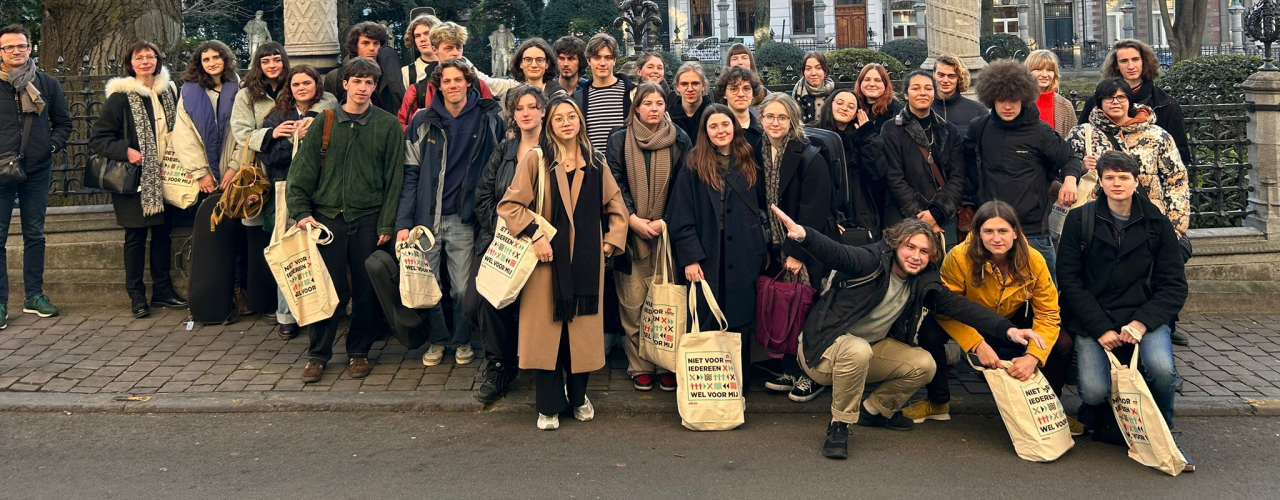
<point x="731" y="257"/>
<point x="842" y="306"/>
<point x="493" y="184"/>
<point x="912" y="186"/>
<point x="867" y="175"/>
<point x="879" y="120"/>
<point x="959" y="110"/>
<point x="1168" y="115"/>
<point x="1131" y="271"/>
<point x="1015" y="161"/>
<point x="390" y="92"/>
<point x="689" y="124"/>
<point x="616" y="153"/>
<point x="49" y="130"/>
<point x="804" y="195"/>
<point x="112" y="137"/>
<point x="277" y="153"/>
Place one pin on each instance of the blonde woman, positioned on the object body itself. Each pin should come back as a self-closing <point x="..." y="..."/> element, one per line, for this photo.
<point x="1055" y="110"/>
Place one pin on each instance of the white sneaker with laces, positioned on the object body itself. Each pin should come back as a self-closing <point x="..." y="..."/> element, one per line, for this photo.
<point x="434" y="355"/>
<point x="586" y="412"/>
<point x="548" y="422"/>
<point x="464" y="354"/>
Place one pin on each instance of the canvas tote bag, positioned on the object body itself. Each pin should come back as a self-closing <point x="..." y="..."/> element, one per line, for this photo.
<point x="1032" y="413"/>
<point x="709" y="372"/>
<point x="510" y="259"/>
<point x="296" y="264"/>
<point x="178" y="186"/>
<point x="1140" y="420"/>
<point x="663" y="317"/>
<point x="418" y="286"/>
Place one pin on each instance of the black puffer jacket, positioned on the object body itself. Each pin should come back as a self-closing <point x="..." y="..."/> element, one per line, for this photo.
<point x="493" y="184"/>
<point x="1015" y="161"/>
<point x="1130" y="271"/>
<point x="912" y="186"/>
<point x="1168" y="115"/>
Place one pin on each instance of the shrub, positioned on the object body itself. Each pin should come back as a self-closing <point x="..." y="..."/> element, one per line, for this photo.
<point x="846" y="63"/>
<point x="1011" y="45"/>
<point x="911" y="51"/>
<point x="582" y="19"/>
<point x="1223" y="70"/>
<point x="489" y="14"/>
<point x="773" y="58"/>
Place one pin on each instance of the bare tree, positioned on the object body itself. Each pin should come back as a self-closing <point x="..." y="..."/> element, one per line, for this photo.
<point x="201" y="10"/>
<point x="1186" y="31"/>
<point x="74" y="29"/>
<point x="986" y="18"/>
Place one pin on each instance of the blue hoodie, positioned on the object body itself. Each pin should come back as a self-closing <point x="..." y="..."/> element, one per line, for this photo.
<point x="460" y="131"/>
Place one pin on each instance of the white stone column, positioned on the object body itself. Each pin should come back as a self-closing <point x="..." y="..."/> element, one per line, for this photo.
<point x="1237" y="26"/>
<point x="311" y="33"/>
<point x="921" y="29"/>
<point x="953" y="29"/>
<point x="1262" y="96"/>
<point x="820" y="20"/>
<point x="1023" y="29"/>
<point x="723" y="6"/>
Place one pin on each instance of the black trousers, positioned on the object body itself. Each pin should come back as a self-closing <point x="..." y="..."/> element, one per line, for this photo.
<point x="498" y="329"/>
<point x="934" y="339"/>
<point x="135" y="257"/>
<point x="353" y="242"/>
<point x="551" y="385"/>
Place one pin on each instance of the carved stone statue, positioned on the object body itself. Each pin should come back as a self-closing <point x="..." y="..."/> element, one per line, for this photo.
<point x="256" y="33"/>
<point x="503" y="44"/>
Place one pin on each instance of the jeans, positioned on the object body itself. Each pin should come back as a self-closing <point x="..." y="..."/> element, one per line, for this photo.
<point x="283" y="315"/>
<point x="1156" y="364"/>
<point x="33" y="199"/>
<point x="1044" y="244"/>
<point x="135" y="259"/>
<point x="457" y="241"/>
<point x="353" y="243"/>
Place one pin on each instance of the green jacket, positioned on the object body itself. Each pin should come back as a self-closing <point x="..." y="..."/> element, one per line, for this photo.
<point x="362" y="171"/>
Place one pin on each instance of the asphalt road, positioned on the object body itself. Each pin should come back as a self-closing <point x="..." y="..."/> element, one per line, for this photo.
<point x="496" y="455"/>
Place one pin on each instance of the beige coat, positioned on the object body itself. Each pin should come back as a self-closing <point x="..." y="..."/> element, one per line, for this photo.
<point x="189" y="146"/>
<point x="539" y="331"/>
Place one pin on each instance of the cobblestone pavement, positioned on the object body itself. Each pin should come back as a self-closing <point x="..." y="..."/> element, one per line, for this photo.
<point x="89" y="351"/>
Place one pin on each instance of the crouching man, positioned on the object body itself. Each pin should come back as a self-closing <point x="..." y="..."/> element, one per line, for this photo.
<point x="863" y="328"/>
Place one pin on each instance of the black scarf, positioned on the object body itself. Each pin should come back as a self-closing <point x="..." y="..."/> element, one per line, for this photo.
<point x="575" y="280"/>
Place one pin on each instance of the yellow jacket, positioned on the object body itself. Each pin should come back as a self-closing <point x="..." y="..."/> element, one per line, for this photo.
<point x="999" y="294"/>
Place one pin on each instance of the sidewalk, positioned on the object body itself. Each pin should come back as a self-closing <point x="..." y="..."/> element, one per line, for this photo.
<point x="93" y="359"/>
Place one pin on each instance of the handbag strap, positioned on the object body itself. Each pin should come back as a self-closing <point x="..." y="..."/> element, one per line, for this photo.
<point x="415" y="240"/>
<point x="1088" y="139"/>
<point x="282" y="213"/>
<point x="711" y="304"/>
<point x="933" y="166"/>
<point x="665" y="263"/>
<point x="319" y="233"/>
<point x="248" y="157"/>
<point x="26" y="134"/>
<point x="968" y="356"/>
<point x="326" y="135"/>
<point x="1115" y="362"/>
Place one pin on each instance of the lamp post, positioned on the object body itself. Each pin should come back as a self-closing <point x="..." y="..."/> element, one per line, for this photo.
<point x="1237" y="28"/>
<point x="1263" y="25"/>
<point x="1128" y="9"/>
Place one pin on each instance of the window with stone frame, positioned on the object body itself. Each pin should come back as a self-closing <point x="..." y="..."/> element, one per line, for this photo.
<point x="700" y="19"/>
<point x="802" y="19"/>
<point x="746" y="14"/>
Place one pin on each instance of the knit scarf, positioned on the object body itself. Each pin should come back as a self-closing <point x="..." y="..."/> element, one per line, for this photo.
<point x="150" y="184"/>
<point x="819" y="94"/>
<point x="649" y="185"/>
<point x="772" y="178"/>
<point x="23" y="80"/>
<point x="1045" y="103"/>
<point x="575" y="281"/>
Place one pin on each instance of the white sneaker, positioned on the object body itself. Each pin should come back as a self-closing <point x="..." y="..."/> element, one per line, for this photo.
<point x="464" y="354"/>
<point x="586" y="412"/>
<point x="434" y="355"/>
<point x="548" y="422"/>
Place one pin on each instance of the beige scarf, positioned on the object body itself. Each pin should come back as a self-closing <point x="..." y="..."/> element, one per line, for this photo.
<point x="649" y="192"/>
<point x="23" y="80"/>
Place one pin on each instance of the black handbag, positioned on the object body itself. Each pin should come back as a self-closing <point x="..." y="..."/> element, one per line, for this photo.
<point x="112" y="176"/>
<point x="12" y="172"/>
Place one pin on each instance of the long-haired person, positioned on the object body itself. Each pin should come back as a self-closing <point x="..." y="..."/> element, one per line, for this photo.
<point x="866" y="169"/>
<point x="996" y="269"/>
<point x="498" y="328"/>
<point x="875" y="93"/>
<point x="295" y="109"/>
<point x="714" y="232"/>
<point x="645" y="157"/>
<point x="797" y="180"/>
<point x="135" y="125"/>
<point x="533" y="64"/>
<point x="1054" y="109"/>
<point x="561" y="325"/>
<point x="814" y="87"/>
<point x="1136" y="63"/>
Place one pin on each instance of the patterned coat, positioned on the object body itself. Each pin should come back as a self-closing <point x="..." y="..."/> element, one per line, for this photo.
<point x="1163" y="176"/>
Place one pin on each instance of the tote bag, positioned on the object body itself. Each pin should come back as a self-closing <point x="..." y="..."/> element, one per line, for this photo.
<point x="709" y="372"/>
<point x="1140" y="420"/>
<point x="663" y="317"/>
<point x="179" y="187"/>
<point x="298" y="268"/>
<point x="781" y="309"/>
<point x="510" y="259"/>
<point x="1032" y="414"/>
<point x="418" y="286"/>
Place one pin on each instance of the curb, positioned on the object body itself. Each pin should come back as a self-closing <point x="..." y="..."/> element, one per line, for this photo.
<point x="516" y="402"/>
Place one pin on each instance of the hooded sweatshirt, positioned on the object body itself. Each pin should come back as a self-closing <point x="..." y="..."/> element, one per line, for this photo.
<point x="460" y="130"/>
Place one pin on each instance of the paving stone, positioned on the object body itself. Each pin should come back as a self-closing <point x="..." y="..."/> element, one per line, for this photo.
<point x="38" y="377"/>
<point x="174" y="387"/>
<point x="59" y="385"/>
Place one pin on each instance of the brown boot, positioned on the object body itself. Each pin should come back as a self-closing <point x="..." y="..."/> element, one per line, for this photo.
<point x="359" y="367"/>
<point x="242" y="302"/>
<point x="312" y="372"/>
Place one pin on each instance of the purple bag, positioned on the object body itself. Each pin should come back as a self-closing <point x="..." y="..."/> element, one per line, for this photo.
<point x="781" y="309"/>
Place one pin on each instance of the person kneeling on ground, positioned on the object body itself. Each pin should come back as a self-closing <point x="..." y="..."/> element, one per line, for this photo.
<point x="998" y="270"/>
<point x="861" y="330"/>
<point x="1123" y="281"/>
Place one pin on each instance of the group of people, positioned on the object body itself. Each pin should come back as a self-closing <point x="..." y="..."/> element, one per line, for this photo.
<point x="920" y="215"/>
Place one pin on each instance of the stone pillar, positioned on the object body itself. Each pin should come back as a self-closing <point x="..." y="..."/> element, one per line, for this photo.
<point x="1023" y="28"/>
<point x="953" y="29"/>
<point x="921" y="29"/>
<point x="820" y="20"/>
<point x="1237" y="26"/>
<point x="723" y="6"/>
<point x="311" y="33"/>
<point x="1262" y="100"/>
<point x="1128" y="9"/>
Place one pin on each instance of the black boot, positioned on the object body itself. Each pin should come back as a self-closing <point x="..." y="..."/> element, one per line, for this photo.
<point x="498" y="376"/>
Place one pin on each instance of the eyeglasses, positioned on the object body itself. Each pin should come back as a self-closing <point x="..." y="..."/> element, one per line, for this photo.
<point x="744" y="89"/>
<point x="1116" y="99"/>
<point x="534" y="60"/>
<point x="685" y="85"/>
<point x="9" y="49"/>
<point x="847" y="106"/>
<point x="775" y="118"/>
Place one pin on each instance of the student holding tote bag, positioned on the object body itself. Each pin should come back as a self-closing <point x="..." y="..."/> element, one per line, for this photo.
<point x="561" y="325"/>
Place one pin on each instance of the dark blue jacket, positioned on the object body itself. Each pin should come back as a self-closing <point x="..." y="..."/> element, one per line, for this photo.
<point x="49" y="130"/>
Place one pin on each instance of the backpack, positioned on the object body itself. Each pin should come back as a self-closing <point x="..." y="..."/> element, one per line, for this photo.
<point x="829" y="145"/>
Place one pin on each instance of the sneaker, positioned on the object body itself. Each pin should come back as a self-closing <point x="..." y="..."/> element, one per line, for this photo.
<point x="4" y="316"/>
<point x="586" y="412"/>
<point x="434" y="355"/>
<point x="667" y="382"/>
<point x="837" y="443"/>
<point x="548" y="422"/>
<point x="464" y="354"/>
<point x="805" y="390"/>
<point x="642" y="382"/>
<point x="39" y="305"/>
<point x="359" y="367"/>
<point x="497" y="381"/>
<point x="1179" y="337"/>
<point x="1077" y="428"/>
<point x="895" y="423"/>
<point x="312" y="372"/>
<point x="924" y="409"/>
<point x="784" y="383"/>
